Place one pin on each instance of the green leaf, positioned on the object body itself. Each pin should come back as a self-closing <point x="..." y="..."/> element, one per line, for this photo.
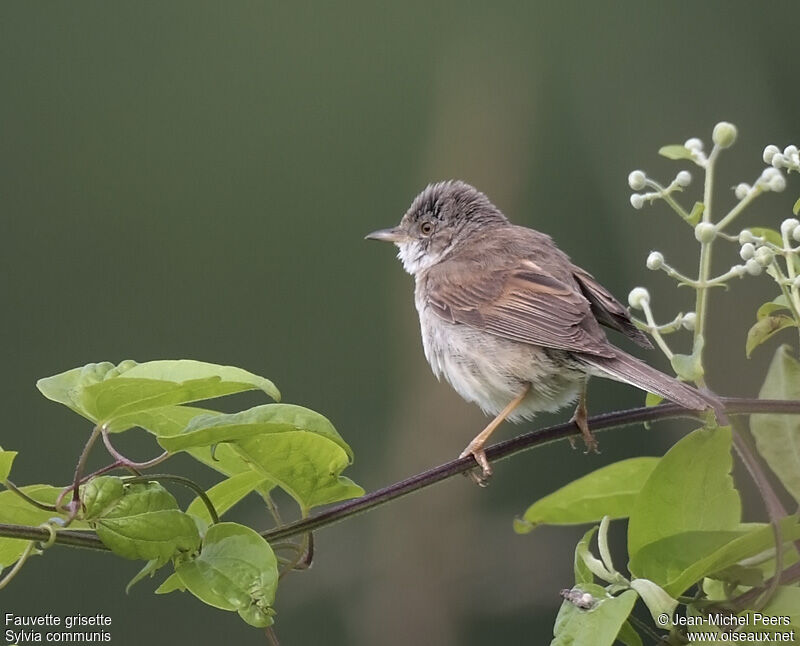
<point x="609" y="491"/>
<point x="765" y="328"/>
<point x="690" y="489"/>
<point x="689" y="367"/>
<point x="260" y="420"/>
<point x="6" y="460"/>
<point x="15" y="510"/>
<point x="598" y="626"/>
<point x="628" y="636"/>
<point x="172" y="420"/>
<point x="652" y="400"/>
<point x="681" y="560"/>
<point x="778" y="303"/>
<point x="778" y="436"/>
<point x="102" y="392"/>
<point x="150" y="569"/>
<point x="235" y="570"/>
<point x="227" y="493"/>
<point x="144" y="522"/>
<point x="171" y="584"/>
<point x="582" y="572"/>
<point x="293" y="447"/>
<point x="796" y="207"/>
<point x="675" y="151"/>
<point x="770" y="235"/>
<point x="696" y="213"/>
<point x="591" y="563"/>
<point x="656" y="599"/>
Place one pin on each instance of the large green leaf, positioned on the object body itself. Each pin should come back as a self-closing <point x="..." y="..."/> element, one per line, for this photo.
<point x="227" y="493"/>
<point x="103" y="392"/>
<point x="291" y="446"/>
<point x="139" y="521"/>
<point x="690" y="489"/>
<point x="678" y="561"/>
<point x="235" y="570"/>
<point x="15" y="510"/>
<point x="598" y="626"/>
<point x="778" y="436"/>
<point x="260" y="420"/>
<point x="583" y="574"/>
<point x="608" y="491"/>
<point x="172" y="420"/>
<point x="765" y="328"/>
<point x="6" y="460"/>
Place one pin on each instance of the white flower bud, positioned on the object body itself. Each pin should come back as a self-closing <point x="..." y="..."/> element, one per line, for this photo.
<point x="684" y="178"/>
<point x="638" y="297"/>
<point x="768" y="173"/>
<point x="655" y="260"/>
<point x="705" y="232"/>
<point x="777" y="183"/>
<point x="752" y="267"/>
<point x="764" y="256"/>
<point x="724" y="134"/>
<point x="637" y="200"/>
<point x="745" y="235"/>
<point x="790" y="151"/>
<point x="770" y="152"/>
<point x="789" y="225"/>
<point x="694" y="144"/>
<point x="636" y="180"/>
<point x="738" y="271"/>
<point x="688" y="320"/>
<point x="747" y="251"/>
<point x="741" y="191"/>
<point x="796" y="233"/>
<point x="778" y="160"/>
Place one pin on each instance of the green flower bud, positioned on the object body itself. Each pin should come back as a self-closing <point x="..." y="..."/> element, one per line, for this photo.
<point x="638" y="297"/>
<point x="636" y="180"/>
<point x="746" y="236"/>
<point x="637" y="200"/>
<point x="747" y="251"/>
<point x="770" y="152"/>
<point x="705" y="232"/>
<point x="764" y="256"/>
<point x="752" y="267"/>
<point x="724" y="134"/>
<point x="655" y="260"/>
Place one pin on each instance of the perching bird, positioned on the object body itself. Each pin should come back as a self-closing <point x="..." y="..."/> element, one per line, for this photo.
<point x="507" y="318"/>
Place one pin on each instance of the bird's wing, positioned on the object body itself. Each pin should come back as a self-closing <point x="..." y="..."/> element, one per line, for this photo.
<point x="607" y="309"/>
<point x="523" y="302"/>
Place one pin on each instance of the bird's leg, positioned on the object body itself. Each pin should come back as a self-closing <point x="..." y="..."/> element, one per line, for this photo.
<point x="580" y="419"/>
<point x="475" y="448"/>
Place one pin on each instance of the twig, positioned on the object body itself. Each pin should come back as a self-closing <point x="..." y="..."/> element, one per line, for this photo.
<point x="733" y="405"/>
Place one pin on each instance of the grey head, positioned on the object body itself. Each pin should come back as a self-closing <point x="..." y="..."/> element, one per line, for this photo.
<point x="442" y="217"/>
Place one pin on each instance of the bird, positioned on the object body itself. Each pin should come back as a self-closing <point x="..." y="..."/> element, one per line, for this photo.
<point x="509" y="320"/>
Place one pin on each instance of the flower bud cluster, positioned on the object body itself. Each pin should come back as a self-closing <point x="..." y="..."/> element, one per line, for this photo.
<point x="638" y="181"/>
<point x="788" y="159"/>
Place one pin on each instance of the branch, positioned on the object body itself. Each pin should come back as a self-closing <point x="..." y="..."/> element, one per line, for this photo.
<point x="502" y="450"/>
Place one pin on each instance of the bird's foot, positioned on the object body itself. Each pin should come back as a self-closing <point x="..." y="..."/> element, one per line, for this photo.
<point x="580" y="420"/>
<point x="476" y="451"/>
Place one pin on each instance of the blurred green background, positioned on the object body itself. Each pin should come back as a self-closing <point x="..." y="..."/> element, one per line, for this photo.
<point x="194" y="179"/>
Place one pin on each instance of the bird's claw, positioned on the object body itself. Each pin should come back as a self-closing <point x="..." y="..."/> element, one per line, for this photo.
<point x="481" y="479"/>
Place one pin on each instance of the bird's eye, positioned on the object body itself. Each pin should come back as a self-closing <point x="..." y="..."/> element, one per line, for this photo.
<point x="426" y="228"/>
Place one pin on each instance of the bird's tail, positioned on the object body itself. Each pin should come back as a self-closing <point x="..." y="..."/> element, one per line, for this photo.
<point x="624" y="367"/>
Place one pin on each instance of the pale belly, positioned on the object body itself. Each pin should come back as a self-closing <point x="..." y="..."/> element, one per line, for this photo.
<point x="491" y="371"/>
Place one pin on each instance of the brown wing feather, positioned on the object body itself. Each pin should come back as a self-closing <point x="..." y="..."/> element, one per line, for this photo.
<point x="522" y="303"/>
<point x="607" y="309"/>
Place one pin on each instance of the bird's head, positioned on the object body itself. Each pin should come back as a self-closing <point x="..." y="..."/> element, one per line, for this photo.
<point x="441" y="217"/>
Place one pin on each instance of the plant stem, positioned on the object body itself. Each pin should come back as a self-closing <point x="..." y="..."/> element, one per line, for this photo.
<point x="76" y="484"/>
<point x="704" y="271"/>
<point x="39" y="505"/>
<point x="130" y="463"/>
<point x="606" y="421"/>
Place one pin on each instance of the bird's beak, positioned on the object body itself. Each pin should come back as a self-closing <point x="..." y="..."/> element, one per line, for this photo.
<point x="395" y="234"/>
